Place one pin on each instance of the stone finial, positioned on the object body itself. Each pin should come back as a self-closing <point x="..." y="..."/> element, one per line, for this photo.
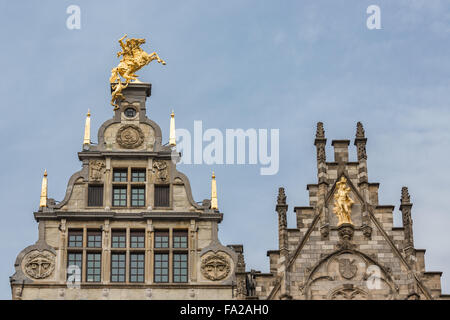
<point x="214" y="204"/>
<point x="172" y="136"/>
<point x="360" y="134"/>
<point x="43" y="200"/>
<point x="281" y="200"/>
<point x="87" y="129"/>
<point x="320" y="132"/>
<point x="405" y="199"/>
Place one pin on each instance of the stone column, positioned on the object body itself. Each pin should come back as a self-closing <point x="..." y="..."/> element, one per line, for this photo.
<point x="193" y="250"/>
<point x="281" y="208"/>
<point x="322" y="176"/>
<point x="149" y="248"/>
<point x="62" y="251"/>
<point x="106" y="252"/>
<point x="405" y="208"/>
<point x="107" y="184"/>
<point x="363" y="181"/>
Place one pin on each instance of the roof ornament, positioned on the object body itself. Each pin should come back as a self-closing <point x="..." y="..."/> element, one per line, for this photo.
<point x="43" y="201"/>
<point x="214" y="205"/>
<point x="87" y="129"/>
<point x="172" y="135"/>
<point x="133" y="59"/>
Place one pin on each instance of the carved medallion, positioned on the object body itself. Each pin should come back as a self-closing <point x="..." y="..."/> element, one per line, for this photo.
<point x="96" y="170"/>
<point x="161" y="170"/>
<point x="215" y="267"/>
<point x="39" y="265"/>
<point x="130" y="136"/>
<point x="347" y="268"/>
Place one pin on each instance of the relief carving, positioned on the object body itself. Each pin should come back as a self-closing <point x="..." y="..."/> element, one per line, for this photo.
<point x="348" y="292"/>
<point x="347" y="268"/>
<point x="160" y="170"/>
<point x="130" y="136"/>
<point x="215" y="267"/>
<point x="96" y="170"/>
<point x="343" y="203"/>
<point x="39" y="264"/>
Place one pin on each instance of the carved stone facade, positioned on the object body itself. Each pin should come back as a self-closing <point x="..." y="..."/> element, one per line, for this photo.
<point x="363" y="258"/>
<point x="77" y="253"/>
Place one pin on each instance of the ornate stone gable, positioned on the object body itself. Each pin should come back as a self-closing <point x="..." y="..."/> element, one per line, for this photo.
<point x="362" y="257"/>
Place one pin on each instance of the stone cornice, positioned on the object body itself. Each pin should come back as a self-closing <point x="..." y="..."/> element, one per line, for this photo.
<point x="101" y="215"/>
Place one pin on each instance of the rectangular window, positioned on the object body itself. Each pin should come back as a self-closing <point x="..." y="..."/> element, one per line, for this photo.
<point x="120" y="175"/>
<point x="137" y="267"/>
<point x="180" y="267"/>
<point x="161" y="239"/>
<point x="118" y="239"/>
<point x="137" y="175"/>
<point x="74" y="265"/>
<point x="94" y="239"/>
<point x="137" y="239"/>
<point x="118" y="267"/>
<point x="161" y="267"/>
<point x="75" y="238"/>
<point x="120" y="196"/>
<point x="95" y="195"/>
<point x="162" y="195"/>
<point x="93" y="268"/>
<point x="180" y="239"/>
<point x="138" y="196"/>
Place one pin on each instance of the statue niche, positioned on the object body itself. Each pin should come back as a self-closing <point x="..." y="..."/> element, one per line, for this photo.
<point x="343" y="203"/>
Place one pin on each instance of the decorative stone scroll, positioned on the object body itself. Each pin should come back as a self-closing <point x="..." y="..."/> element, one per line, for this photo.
<point x="130" y="136"/>
<point x="215" y="267"/>
<point x="39" y="264"/>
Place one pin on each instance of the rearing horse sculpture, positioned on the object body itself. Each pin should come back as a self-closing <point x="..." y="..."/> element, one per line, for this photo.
<point x="133" y="59"/>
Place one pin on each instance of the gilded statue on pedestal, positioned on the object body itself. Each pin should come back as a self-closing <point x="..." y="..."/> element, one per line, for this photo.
<point x="343" y="203"/>
<point x="133" y="59"/>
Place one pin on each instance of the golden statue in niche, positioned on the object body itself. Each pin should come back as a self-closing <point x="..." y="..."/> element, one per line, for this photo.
<point x="343" y="203"/>
<point x="133" y="59"/>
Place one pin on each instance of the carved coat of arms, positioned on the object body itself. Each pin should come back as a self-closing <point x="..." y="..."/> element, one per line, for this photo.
<point x="39" y="265"/>
<point x="130" y="136"/>
<point x="347" y="268"/>
<point x="215" y="267"/>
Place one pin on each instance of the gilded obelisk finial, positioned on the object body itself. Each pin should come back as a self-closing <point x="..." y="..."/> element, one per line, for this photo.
<point x="214" y="205"/>
<point x="343" y="203"/>
<point x="133" y="59"/>
<point x="87" y="129"/>
<point x="43" y="201"/>
<point x="172" y="135"/>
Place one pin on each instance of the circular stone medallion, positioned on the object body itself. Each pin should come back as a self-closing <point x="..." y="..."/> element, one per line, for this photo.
<point x="130" y="136"/>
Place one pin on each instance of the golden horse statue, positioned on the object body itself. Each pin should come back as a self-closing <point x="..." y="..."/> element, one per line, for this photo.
<point x="343" y="202"/>
<point x="133" y="59"/>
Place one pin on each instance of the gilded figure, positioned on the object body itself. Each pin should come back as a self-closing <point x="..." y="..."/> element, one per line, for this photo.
<point x="133" y="59"/>
<point x="343" y="203"/>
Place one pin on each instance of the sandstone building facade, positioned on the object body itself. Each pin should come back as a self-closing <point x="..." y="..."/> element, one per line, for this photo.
<point x="128" y="227"/>
<point x="323" y="258"/>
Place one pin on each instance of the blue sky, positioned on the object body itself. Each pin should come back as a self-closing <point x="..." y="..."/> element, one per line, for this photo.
<point x="236" y="64"/>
